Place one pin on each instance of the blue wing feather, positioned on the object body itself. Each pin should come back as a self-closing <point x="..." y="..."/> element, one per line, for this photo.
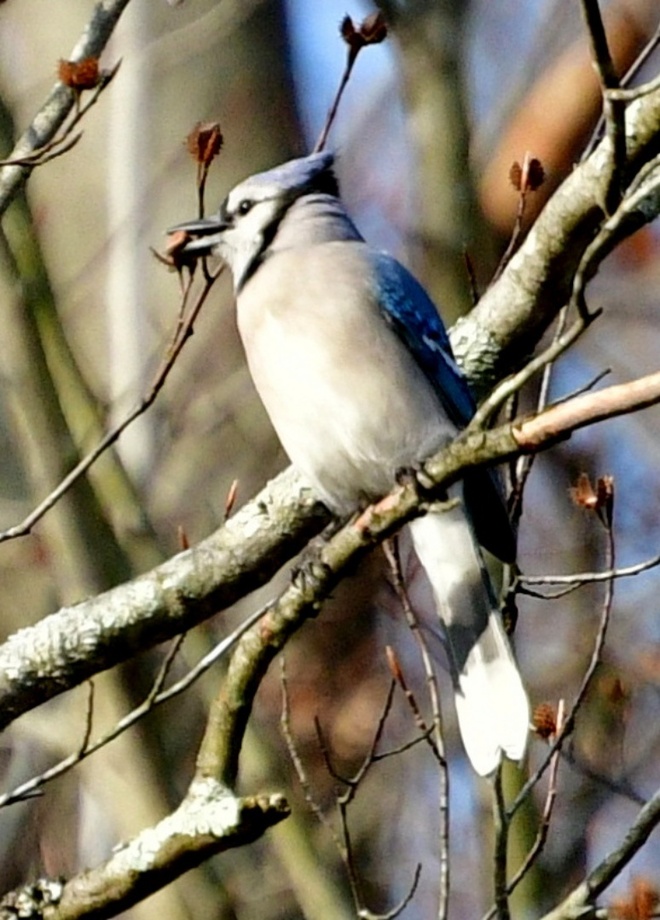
<point x="412" y="314"/>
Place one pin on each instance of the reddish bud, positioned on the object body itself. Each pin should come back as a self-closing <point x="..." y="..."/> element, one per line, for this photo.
<point x="600" y="499"/>
<point x="584" y="494"/>
<point x="374" y="29"/>
<point x="351" y="35"/>
<point x="347" y="29"/>
<point x="605" y="495"/>
<point x="80" y="75"/>
<point x="371" y="31"/>
<point x="528" y="177"/>
<point x="544" y="720"/>
<point x="204" y="142"/>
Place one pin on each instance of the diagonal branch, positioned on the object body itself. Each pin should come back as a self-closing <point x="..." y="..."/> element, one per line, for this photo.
<point x="575" y="905"/>
<point x="67" y="647"/>
<point x="512" y="315"/>
<point x="61" y="100"/>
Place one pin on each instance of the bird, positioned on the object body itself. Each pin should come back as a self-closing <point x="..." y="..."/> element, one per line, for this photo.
<point x="354" y="367"/>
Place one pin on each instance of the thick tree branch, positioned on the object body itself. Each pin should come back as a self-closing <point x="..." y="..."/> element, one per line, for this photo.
<point x="510" y="318"/>
<point x="71" y="645"/>
<point x="208" y="821"/>
<point x="67" y="647"/>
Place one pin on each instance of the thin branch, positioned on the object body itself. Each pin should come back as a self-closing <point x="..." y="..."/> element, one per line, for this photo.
<point x="513" y="384"/>
<point x="599" y="643"/>
<point x="179" y="339"/>
<point x="435" y="740"/>
<point x="296" y="760"/>
<point x="611" y="866"/>
<point x="636" y="92"/>
<point x="502" y="822"/>
<point x="61" y="100"/>
<point x="527" y="179"/>
<point x="332" y="114"/>
<point x="343" y="842"/>
<point x="371" y="31"/>
<point x="50" y="152"/>
<point x="523" y="466"/>
<point x="586" y="578"/>
<point x="370" y="758"/>
<point x="544" y="826"/>
<point x="564" y="418"/>
<point x="63" y="142"/>
<point x="550" y="799"/>
<point x="625" y="93"/>
<point x="620" y="787"/>
<point x="89" y="718"/>
<point x="399" y="908"/>
<point x="156" y="697"/>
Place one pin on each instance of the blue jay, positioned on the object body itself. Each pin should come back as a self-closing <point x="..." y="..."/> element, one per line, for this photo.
<point x="356" y="372"/>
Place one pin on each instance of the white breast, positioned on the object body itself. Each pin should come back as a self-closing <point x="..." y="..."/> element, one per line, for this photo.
<point x="347" y="400"/>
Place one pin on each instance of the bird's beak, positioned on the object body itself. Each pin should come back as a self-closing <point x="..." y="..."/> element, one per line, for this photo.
<point x="203" y="234"/>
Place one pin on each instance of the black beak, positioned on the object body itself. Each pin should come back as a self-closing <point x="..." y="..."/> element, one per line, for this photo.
<point x="205" y="231"/>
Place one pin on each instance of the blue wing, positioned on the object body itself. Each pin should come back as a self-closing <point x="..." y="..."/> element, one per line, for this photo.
<point x="413" y="316"/>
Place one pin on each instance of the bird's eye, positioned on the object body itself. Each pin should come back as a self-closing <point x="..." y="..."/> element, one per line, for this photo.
<point x="244" y="206"/>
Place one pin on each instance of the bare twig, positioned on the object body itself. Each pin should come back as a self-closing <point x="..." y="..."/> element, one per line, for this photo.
<point x="296" y="760"/>
<point x="611" y="866"/>
<point x="625" y="93"/>
<point x="89" y="718"/>
<point x="46" y="154"/>
<point x="179" y="339"/>
<point x="156" y="697"/>
<point x="61" y="100"/>
<point x="599" y="642"/>
<point x="526" y="178"/>
<point x="586" y="578"/>
<point x="502" y="822"/>
<point x="523" y="465"/>
<point x="537" y="846"/>
<point x="436" y="738"/>
<point x="343" y="841"/>
<point x="370" y="32"/>
<point x="551" y="796"/>
<point x="63" y="142"/>
<point x="513" y="384"/>
<point x="370" y="758"/>
<point x="621" y="787"/>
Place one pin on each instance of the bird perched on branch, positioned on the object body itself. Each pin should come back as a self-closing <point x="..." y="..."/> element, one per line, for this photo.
<point x="355" y="369"/>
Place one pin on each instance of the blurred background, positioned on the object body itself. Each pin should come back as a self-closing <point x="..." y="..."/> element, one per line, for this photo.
<point x="430" y="125"/>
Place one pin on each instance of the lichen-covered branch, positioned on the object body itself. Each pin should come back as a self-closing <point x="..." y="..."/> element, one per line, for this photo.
<point x="209" y="820"/>
<point x="503" y="328"/>
<point x="71" y="645"/>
